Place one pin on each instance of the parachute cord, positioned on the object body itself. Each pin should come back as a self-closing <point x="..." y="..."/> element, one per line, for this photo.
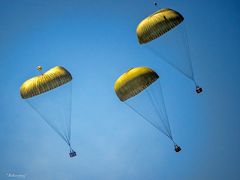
<point x="45" y="119"/>
<point x="63" y="129"/>
<point x="162" y="111"/>
<point x="163" y="101"/>
<point x="189" y="52"/>
<point x="147" y="120"/>
<point x="158" y="113"/>
<point x="67" y="129"/>
<point x="70" y="114"/>
<point x="168" y="62"/>
<point x="174" y="143"/>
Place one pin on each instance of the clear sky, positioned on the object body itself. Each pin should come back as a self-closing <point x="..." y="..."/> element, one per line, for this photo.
<point x="96" y="41"/>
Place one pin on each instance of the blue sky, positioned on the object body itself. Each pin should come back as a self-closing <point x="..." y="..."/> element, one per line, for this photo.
<point x="96" y="41"/>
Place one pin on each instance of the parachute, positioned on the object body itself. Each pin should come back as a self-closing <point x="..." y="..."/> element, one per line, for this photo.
<point x="158" y="24"/>
<point x="158" y="27"/>
<point x="49" y="94"/>
<point x="139" y="88"/>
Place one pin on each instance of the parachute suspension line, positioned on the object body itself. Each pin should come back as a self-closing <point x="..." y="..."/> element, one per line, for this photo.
<point x="154" y="99"/>
<point x="147" y="119"/>
<point x="72" y="153"/>
<point x="198" y="88"/>
<point x="177" y="148"/>
<point x="185" y="35"/>
<point x="67" y="121"/>
<point x="165" y="120"/>
<point x="45" y="119"/>
<point x="160" y="115"/>
<point x="160" y="104"/>
<point x="67" y="128"/>
<point x="167" y="61"/>
<point x="70" y="113"/>
<point x="68" y="118"/>
<point x="64" y="133"/>
<point x="164" y="109"/>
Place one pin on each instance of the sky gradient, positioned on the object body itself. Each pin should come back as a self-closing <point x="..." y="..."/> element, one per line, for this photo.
<point x="96" y="41"/>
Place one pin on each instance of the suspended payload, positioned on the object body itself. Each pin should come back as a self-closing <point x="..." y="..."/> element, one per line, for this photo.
<point x="159" y="24"/>
<point x="143" y="82"/>
<point x="49" y="94"/>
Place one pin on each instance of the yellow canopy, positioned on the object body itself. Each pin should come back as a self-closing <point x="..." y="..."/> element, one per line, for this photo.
<point x="157" y="24"/>
<point x="134" y="81"/>
<point x="51" y="79"/>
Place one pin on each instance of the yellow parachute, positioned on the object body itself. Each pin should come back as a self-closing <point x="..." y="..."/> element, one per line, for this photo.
<point x="51" y="79"/>
<point x="134" y="81"/>
<point x="142" y="83"/>
<point x="50" y="95"/>
<point x="157" y="24"/>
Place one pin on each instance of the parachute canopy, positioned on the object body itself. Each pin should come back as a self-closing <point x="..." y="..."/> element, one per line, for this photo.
<point x="51" y="79"/>
<point x="134" y="81"/>
<point x="157" y="24"/>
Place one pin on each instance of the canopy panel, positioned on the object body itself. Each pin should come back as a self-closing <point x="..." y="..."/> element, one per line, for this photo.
<point x="157" y="24"/>
<point x="51" y="79"/>
<point x="134" y="81"/>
